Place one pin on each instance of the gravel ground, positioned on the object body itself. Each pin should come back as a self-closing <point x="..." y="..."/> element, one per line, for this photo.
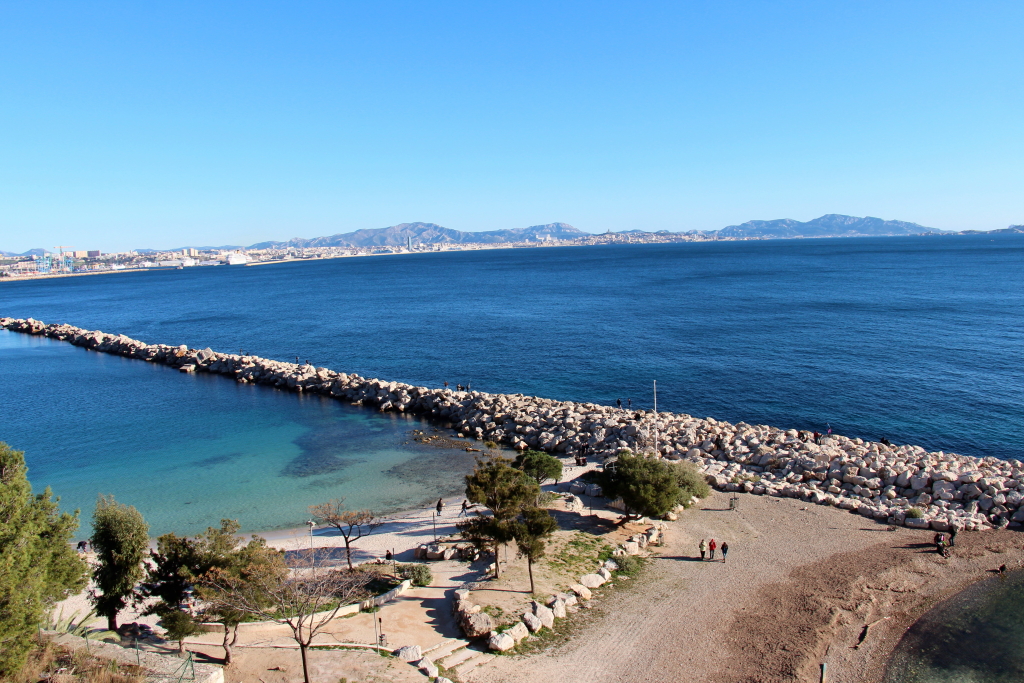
<point x="800" y="583"/>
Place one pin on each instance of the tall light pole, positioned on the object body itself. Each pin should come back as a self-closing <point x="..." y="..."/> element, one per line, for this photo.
<point x="656" y="451"/>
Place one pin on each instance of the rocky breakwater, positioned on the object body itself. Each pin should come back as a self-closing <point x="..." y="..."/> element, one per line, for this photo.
<point x="897" y="484"/>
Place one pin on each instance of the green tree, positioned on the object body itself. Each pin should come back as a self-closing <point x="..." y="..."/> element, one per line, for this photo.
<point x="178" y="562"/>
<point x="38" y="567"/>
<point x="505" y="491"/>
<point x="647" y="486"/>
<point x="120" y="538"/>
<point x="233" y="564"/>
<point x="179" y="626"/>
<point x="539" y="466"/>
<point x="531" y="533"/>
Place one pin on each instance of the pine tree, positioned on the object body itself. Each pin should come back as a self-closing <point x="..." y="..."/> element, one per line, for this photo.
<point x="503" y="490"/>
<point x="531" y="532"/>
<point x="120" y="538"/>
<point x="38" y="567"/>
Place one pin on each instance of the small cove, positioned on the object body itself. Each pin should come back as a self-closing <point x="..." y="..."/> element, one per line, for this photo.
<point x="189" y="450"/>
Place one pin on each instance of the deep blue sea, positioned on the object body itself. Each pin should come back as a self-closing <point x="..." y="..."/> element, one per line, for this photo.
<point x="915" y="339"/>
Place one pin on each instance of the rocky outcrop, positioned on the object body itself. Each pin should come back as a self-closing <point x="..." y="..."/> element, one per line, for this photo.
<point x="876" y="480"/>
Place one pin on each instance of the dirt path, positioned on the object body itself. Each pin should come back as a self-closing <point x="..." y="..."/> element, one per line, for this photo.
<point x="800" y="583"/>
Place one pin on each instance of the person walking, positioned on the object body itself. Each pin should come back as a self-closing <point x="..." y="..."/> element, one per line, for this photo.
<point x="725" y="549"/>
<point x="440" y="506"/>
<point x="465" y="508"/>
<point x="703" y="549"/>
<point x="711" y="549"/>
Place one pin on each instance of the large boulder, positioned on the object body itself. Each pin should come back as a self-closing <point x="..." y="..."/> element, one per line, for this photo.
<point x="558" y="608"/>
<point x="476" y="625"/>
<point x="409" y="653"/>
<point x="532" y="622"/>
<point x="580" y="590"/>
<point x="591" y="580"/>
<point x="519" y="631"/>
<point x="500" y="642"/>
<point x="545" y="614"/>
<point x="428" y="667"/>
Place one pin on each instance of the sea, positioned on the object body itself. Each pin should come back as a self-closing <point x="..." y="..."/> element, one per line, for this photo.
<point x="916" y="339"/>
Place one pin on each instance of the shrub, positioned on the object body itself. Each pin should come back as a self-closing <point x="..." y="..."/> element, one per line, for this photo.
<point x="419" y="574"/>
<point x="691" y="482"/>
<point x="630" y="565"/>
<point x="915" y="513"/>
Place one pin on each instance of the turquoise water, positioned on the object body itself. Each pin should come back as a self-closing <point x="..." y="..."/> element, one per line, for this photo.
<point x="975" y="637"/>
<point x="189" y="450"/>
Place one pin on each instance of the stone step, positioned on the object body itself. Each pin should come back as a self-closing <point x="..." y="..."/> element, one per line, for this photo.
<point x="457" y="657"/>
<point x="445" y="647"/>
<point x="470" y="664"/>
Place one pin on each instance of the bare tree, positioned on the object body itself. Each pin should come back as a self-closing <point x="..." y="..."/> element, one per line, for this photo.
<point x="305" y="599"/>
<point x="352" y="524"/>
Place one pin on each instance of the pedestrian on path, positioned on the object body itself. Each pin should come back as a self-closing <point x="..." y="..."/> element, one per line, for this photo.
<point x="465" y="508"/>
<point x="440" y="506"/>
<point x="725" y="550"/>
<point x="711" y="548"/>
<point x="703" y="549"/>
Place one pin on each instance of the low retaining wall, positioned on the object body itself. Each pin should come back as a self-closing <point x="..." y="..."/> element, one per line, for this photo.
<point x="355" y="608"/>
<point x="876" y="480"/>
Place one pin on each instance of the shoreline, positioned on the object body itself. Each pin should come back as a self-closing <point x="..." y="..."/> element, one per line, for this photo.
<point x="902" y="485"/>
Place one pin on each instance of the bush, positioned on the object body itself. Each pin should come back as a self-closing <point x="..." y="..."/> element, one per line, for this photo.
<point x="691" y="482"/>
<point x="419" y="574"/>
<point x="915" y="513"/>
<point x="630" y="565"/>
<point x="648" y="487"/>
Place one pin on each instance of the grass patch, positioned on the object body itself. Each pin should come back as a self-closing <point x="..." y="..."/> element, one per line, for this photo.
<point x="580" y="554"/>
<point x="630" y="565"/>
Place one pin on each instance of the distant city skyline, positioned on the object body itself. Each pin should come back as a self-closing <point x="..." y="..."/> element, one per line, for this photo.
<point x="125" y="126"/>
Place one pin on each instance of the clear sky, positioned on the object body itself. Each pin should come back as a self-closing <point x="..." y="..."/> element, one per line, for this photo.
<point x="160" y="124"/>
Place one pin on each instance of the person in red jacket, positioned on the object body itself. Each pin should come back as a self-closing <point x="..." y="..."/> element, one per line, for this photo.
<point x="711" y="548"/>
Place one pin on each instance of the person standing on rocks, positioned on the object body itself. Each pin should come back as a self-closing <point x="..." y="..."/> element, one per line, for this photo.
<point x="703" y="549"/>
<point x="711" y="549"/>
<point x="446" y="385"/>
<point x="629" y="403"/>
<point x="725" y="549"/>
<point x="618" y="402"/>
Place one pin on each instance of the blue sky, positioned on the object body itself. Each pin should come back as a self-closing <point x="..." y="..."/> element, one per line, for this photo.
<point x="154" y="124"/>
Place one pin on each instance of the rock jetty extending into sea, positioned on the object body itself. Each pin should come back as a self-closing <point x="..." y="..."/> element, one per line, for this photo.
<point x="896" y="484"/>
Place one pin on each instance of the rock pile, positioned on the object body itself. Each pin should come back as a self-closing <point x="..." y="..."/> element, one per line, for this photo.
<point x="897" y="484"/>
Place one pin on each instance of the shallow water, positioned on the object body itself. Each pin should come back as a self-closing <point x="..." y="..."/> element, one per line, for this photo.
<point x="188" y="450"/>
<point x="976" y="636"/>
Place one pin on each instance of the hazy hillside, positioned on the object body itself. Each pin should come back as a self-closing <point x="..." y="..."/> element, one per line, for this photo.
<point x="426" y="233"/>
<point x="829" y="225"/>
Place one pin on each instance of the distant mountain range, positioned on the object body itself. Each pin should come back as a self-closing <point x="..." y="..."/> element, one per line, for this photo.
<point x="829" y="225"/>
<point x="428" y="233"/>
